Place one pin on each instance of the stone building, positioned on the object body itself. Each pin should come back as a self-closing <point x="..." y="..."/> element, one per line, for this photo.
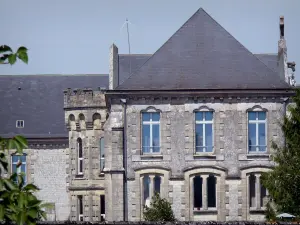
<point x="193" y="121"/>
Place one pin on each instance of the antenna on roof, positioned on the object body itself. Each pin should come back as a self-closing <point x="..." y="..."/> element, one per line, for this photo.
<point x="128" y="39"/>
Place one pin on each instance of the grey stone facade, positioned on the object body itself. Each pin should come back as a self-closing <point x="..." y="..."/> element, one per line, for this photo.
<point x="101" y="173"/>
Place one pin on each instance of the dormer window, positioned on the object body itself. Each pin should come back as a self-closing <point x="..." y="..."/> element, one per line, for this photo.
<point x="20" y="123"/>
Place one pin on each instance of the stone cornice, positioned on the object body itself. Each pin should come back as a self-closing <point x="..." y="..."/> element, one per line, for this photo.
<point x="48" y="143"/>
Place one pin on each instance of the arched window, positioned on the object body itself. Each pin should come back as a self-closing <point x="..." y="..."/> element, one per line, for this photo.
<point x="257" y="192"/>
<point x="205" y="192"/>
<point x="97" y="121"/>
<point x="79" y="157"/>
<point x="151" y="184"/>
<point x="82" y="121"/>
<point x="72" y="122"/>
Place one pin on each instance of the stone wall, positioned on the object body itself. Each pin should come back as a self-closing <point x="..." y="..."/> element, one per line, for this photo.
<point x="47" y="168"/>
<point x="229" y="160"/>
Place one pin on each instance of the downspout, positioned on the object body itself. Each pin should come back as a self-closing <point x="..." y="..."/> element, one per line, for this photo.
<point x="125" y="195"/>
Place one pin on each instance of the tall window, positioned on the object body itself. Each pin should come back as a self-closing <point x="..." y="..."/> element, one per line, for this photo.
<point x="80" y="207"/>
<point x="79" y="157"/>
<point x="102" y="154"/>
<point x="102" y="207"/>
<point x="257" y="131"/>
<point x="204" y="131"/>
<point x="257" y="193"/>
<point x="151" y="132"/>
<point x="150" y="185"/>
<point x="19" y="165"/>
<point x="205" y="192"/>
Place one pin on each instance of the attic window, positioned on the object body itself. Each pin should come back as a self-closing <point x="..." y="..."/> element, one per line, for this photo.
<point x="20" y="123"/>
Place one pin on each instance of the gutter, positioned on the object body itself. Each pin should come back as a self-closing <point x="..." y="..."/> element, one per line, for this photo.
<point x="125" y="188"/>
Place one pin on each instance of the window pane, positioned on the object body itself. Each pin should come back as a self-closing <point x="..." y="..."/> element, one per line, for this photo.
<point x="23" y="158"/>
<point x="81" y="166"/>
<point x="208" y="135"/>
<point x="208" y="116"/>
<point x="23" y="168"/>
<point x="146" y="137"/>
<point x="157" y="180"/>
<point x="261" y="115"/>
<point x="199" y="135"/>
<point x="102" y="164"/>
<point x="211" y="191"/>
<point x="146" y="187"/>
<point x="199" y="115"/>
<point x="155" y="116"/>
<point x="252" y="115"/>
<point x="14" y="168"/>
<point x="197" y="192"/>
<point x="15" y="159"/>
<point x="155" y="135"/>
<point x="262" y="136"/>
<point x="146" y="116"/>
<point x="252" y="136"/>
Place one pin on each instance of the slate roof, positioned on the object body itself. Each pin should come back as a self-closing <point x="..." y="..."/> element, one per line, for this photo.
<point x="137" y="60"/>
<point x="202" y="55"/>
<point x="39" y="102"/>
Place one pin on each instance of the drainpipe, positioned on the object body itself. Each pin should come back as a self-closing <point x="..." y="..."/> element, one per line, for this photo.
<point x="125" y="195"/>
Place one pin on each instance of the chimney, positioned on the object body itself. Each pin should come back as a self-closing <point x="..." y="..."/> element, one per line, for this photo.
<point x="282" y="53"/>
<point x="113" y="67"/>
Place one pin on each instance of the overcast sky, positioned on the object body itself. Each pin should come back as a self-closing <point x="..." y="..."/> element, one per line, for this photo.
<point x="73" y="36"/>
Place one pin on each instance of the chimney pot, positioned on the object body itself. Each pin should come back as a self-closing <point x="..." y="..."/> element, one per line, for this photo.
<point x="281" y="26"/>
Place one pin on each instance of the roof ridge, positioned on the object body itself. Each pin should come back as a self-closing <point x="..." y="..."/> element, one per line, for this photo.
<point x="162" y="45"/>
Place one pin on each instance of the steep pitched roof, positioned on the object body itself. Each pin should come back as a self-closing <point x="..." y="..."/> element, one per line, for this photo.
<point x="39" y="101"/>
<point x="202" y="55"/>
<point x="269" y="59"/>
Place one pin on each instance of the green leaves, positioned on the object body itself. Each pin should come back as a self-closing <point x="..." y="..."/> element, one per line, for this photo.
<point x="160" y="210"/>
<point x="18" y="204"/>
<point x="8" y="56"/>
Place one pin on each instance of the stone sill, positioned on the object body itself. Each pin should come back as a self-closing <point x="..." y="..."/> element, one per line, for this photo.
<point x="79" y="177"/>
<point x="255" y="210"/>
<point x="204" y="156"/>
<point x="205" y="211"/>
<point x="253" y="156"/>
<point x="150" y="157"/>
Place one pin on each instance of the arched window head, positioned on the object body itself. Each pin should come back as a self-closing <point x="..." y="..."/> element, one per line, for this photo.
<point x="82" y="121"/>
<point x="97" y="121"/>
<point x="72" y="122"/>
<point x="79" y="157"/>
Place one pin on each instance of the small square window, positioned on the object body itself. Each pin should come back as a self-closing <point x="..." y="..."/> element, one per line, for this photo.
<point x="20" y="123"/>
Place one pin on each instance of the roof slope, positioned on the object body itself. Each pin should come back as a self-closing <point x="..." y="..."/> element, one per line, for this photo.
<point x="270" y="60"/>
<point x="39" y="102"/>
<point x="202" y="55"/>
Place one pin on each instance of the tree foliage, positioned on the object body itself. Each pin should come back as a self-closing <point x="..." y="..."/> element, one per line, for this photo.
<point x="283" y="182"/>
<point x="7" y="56"/>
<point x="18" y="203"/>
<point x="160" y="210"/>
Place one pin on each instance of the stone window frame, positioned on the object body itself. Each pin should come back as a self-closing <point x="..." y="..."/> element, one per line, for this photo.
<point x="220" y="174"/>
<point x="164" y="186"/>
<point x="257" y="108"/>
<point x="72" y="121"/>
<point x="150" y="109"/>
<point x="82" y="121"/>
<point x="25" y="163"/>
<point x="245" y="173"/>
<point x="204" y="108"/>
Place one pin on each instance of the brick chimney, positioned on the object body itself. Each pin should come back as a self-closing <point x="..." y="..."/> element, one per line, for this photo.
<point x="282" y="53"/>
<point x="113" y="67"/>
